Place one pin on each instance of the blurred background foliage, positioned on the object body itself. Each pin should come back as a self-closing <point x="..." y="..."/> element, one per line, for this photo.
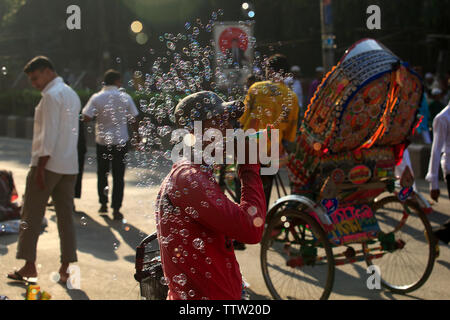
<point x="418" y="31"/>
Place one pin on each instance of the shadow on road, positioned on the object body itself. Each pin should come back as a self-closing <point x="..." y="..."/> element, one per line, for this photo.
<point x="255" y="296"/>
<point x="76" y="294"/>
<point x="95" y="238"/>
<point x="5" y="241"/>
<point x="444" y="263"/>
<point x="129" y="233"/>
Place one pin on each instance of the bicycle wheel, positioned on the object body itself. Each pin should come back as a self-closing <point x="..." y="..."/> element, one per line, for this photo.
<point x="405" y="253"/>
<point x="296" y="257"/>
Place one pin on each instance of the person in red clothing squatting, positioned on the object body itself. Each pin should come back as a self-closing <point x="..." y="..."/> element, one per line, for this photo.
<point x="196" y="222"/>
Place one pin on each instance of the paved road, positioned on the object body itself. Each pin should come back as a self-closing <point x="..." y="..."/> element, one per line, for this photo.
<point x="106" y="247"/>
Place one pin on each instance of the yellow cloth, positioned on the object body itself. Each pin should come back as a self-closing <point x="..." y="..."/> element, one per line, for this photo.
<point x="264" y="105"/>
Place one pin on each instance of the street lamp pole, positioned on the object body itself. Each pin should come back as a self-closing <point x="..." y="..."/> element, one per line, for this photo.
<point x="328" y="37"/>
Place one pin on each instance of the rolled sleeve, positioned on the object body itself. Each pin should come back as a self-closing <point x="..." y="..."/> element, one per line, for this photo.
<point x="439" y="132"/>
<point x="50" y="109"/>
<point x="132" y="110"/>
<point x="90" y="109"/>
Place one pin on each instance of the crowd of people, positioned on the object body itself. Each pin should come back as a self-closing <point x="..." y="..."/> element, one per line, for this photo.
<point x="189" y="193"/>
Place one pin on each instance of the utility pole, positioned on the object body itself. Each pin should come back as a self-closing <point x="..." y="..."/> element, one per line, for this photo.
<point x="328" y="37"/>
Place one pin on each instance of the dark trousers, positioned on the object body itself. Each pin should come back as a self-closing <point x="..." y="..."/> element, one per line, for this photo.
<point x="443" y="233"/>
<point x="82" y="149"/>
<point x="447" y="178"/>
<point x="81" y="157"/>
<point x="106" y="158"/>
<point x="267" y="181"/>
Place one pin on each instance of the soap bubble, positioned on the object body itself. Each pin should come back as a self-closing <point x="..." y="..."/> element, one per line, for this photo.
<point x="55" y="277"/>
<point x="195" y="31"/>
<point x="184" y="233"/>
<point x="171" y="45"/>
<point x="252" y="210"/>
<point x="83" y="221"/>
<point x="4" y="71"/>
<point x="258" y="222"/>
<point x="23" y="225"/>
<point x="164" y="281"/>
<point x="198" y="243"/>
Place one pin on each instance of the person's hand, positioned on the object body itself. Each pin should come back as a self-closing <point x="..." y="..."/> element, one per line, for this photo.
<point x="434" y="194"/>
<point x="249" y="157"/>
<point x="40" y="180"/>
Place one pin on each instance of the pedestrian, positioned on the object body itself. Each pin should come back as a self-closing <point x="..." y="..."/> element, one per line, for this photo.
<point x="424" y="128"/>
<point x="82" y="150"/>
<point x="315" y="83"/>
<point x="272" y="103"/>
<point x="436" y="105"/>
<point x="440" y="149"/>
<point x="54" y="168"/>
<point x="112" y="109"/>
<point x="237" y="53"/>
<point x="428" y="84"/>
<point x="295" y="83"/>
<point x="196" y="221"/>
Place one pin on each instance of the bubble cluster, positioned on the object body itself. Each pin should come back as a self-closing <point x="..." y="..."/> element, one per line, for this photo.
<point x="179" y="64"/>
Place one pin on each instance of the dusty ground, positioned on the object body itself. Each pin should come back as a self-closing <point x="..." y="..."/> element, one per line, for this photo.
<point x="106" y="248"/>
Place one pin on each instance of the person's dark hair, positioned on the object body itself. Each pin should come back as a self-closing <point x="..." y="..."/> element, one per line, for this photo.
<point x="278" y="62"/>
<point x="111" y="76"/>
<point x="251" y="79"/>
<point x="38" y="63"/>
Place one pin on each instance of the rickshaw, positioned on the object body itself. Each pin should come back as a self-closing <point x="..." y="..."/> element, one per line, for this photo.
<point x="346" y="203"/>
<point x="344" y="191"/>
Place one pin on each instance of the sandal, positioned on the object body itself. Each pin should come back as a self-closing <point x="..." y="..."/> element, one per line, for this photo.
<point x="18" y="277"/>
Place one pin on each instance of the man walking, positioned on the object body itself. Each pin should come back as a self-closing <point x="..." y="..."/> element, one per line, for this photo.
<point x="237" y="54"/>
<point x="295" y="84"/>
<point x="113" y="109"/>
<point x="440" y="148"/>
<point x="54" y="168"/>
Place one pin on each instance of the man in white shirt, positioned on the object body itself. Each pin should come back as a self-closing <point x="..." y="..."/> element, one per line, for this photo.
<point x="54" y="168"/>
<point x="440" y="152"/>
<point x="295" y="84"/>
<point x="113" y="109"/>
<point x="237" y="54"/>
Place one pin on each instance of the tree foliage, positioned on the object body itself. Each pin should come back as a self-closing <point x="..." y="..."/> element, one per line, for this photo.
<point x="292" y="27"/>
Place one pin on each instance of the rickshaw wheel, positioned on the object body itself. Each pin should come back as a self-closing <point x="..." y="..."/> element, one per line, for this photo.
<point x="296" y="257"/>
<point x="406" y="252"/>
